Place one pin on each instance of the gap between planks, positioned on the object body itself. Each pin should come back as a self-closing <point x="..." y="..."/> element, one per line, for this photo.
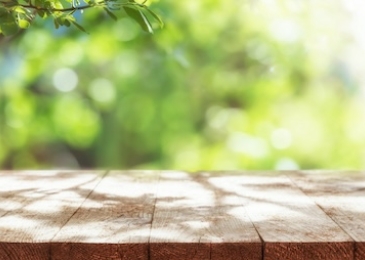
<point x="38" y="204"/>
<point x="341" y="195"/>
<point x="204" y="216"/>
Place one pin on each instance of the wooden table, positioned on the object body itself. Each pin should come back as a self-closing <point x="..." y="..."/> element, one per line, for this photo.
<point x="167" y="215"/>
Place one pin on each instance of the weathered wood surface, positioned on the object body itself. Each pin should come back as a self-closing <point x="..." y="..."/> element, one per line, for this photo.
<point x="290" y="224"/>
<point x="114" y="222"/>
<point x="193" y="221"/>
<point x="35" y="206"/>
<point x="341" y="195"/>
<point x="175" y="215"/>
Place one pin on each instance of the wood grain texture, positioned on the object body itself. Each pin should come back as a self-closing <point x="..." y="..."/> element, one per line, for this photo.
<point x="360" y="250"/>
<point x="290" y="224"/>
<point x="342" y="196"/>
<point x="312" y="250"/>
<point x="59" y="215"/>
<point x="37" y="204"/>
<point x="98" y="251"/>
<point x="193" y="220"/>
<point x="24" y="251"/>
<point x="113" y="223"/>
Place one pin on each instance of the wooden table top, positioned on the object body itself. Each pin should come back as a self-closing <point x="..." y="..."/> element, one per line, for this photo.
<point x="168" y="215"/>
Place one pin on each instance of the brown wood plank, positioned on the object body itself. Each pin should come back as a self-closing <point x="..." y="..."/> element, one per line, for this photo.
<point x="114" y="222"/>
<point x="34" y="205"/>
<point x="342" y="196"/>
<point x="55" y="215"/>
<point x="291" y="225"/>
<point x="194" y="220"/>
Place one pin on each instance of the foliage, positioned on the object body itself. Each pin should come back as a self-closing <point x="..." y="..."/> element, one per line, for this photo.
<point x="19" y="14"/>
<point x="225" y="85"/>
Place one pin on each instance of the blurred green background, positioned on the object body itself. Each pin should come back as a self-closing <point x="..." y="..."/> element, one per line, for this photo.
<point x="225" y="85"/>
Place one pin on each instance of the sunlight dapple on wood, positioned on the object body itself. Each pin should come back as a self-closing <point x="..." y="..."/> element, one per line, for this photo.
<point x="172" y="215"/>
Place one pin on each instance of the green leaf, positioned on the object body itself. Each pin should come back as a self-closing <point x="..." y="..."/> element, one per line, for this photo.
<point x="9" y="3"/>
<point x="156" y="16"/>
<point x="66" y="23"/>
<point x="41" y="13"/>
<point x="137" y="15"/>
<point x="56" y="24"/>
<point x="23" y="23"/>
<point x="79" y="26"/>
<point x="110" y="13"/>
<point x="23" y="19"/>
<point x="7" y="23"/>
<point x="3" y="11"/>
<point x="20" y="10"/>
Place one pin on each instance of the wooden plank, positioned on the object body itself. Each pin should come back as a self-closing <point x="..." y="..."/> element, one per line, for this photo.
<point x="114" y="222"/>
<point x="194" y="220"/>
<point x="206" y="216"/>
<point x="342" y="196"/>
<point x="291" y="225"/>
<point x="34" y="205"/>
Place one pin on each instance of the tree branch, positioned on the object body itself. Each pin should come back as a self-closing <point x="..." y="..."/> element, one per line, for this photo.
<point x="70" y="9"/>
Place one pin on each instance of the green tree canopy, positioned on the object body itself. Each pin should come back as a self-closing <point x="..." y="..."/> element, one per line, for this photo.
<point x="224" y="85"/>
<point x="19" y="14"/>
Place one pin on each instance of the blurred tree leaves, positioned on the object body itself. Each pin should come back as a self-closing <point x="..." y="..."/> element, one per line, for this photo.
<point x="19" y="14"/>
<point x="245" y="86"/>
